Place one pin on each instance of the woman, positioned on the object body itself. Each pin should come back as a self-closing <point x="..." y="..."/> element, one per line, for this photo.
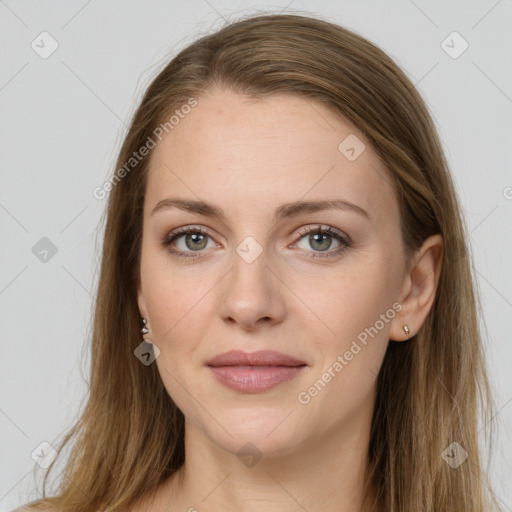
<point x="286" y="317"/>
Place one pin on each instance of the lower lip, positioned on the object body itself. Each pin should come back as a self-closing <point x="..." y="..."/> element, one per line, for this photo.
<point x="251" y="379"/>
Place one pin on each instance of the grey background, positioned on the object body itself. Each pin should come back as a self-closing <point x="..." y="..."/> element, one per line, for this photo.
<point x="61" y="124"/>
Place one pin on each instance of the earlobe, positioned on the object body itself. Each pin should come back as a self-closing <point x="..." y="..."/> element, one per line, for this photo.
<point x="419" y="290"/>
<point x="401" y="332"/>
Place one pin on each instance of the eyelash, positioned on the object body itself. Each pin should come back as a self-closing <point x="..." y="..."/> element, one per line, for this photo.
<point x="174" y="235"/>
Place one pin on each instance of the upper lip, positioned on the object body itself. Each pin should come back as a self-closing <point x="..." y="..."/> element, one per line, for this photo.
<point x="260" y="358"/>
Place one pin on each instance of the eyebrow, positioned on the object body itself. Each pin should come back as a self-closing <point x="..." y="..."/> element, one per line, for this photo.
<point x="286" y="210"/>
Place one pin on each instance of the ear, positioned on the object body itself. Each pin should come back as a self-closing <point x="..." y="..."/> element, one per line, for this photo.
<point x="418" y="289"/>
<point x="141" y="302"/>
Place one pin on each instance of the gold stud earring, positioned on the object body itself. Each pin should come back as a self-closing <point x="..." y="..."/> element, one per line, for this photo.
<point x="407" y="330"/>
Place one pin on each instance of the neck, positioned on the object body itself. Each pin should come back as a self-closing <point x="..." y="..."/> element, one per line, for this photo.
<point x="325" y="475"/>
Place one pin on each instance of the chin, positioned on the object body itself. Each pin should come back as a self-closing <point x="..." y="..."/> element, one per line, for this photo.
<point x="267" y="431"/>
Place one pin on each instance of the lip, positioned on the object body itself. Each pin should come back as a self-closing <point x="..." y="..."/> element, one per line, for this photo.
<point x="256" y="371"/>
<point x="260" y="358"/>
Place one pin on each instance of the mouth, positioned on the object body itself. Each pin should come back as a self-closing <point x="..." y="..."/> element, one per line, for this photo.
<point x="254" y="372"/>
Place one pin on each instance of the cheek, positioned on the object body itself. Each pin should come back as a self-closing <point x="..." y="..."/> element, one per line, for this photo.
<point x="350" y="342"/>
<point x="176" y="305"/>
<point x="344" y="304"/>
<point x="176" y="302"/>
<point x="349" y="332"/>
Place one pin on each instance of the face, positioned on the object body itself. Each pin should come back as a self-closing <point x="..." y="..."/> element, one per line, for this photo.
<point x="318" y="284"/>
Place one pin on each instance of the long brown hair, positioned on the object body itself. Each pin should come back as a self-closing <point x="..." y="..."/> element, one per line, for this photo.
<point x="432" y="390"/>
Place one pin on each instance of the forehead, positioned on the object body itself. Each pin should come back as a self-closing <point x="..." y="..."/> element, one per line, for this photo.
<point x="241" y="152"/>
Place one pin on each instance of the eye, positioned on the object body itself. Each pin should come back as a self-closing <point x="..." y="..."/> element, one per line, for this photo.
<point x="187" y="240"/>
<point x="321" y="239"/>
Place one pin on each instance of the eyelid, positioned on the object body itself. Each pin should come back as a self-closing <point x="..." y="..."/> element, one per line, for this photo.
<point x="324" y="228"/>
<point x="187" y="229"/>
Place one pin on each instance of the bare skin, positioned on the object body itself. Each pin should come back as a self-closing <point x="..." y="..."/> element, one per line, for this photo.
<point x="248" y="157"/>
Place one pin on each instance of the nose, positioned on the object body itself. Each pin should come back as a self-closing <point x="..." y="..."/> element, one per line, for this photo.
<point x="251" y="295"/>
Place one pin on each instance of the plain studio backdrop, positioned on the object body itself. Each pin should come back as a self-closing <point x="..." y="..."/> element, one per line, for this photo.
<point x="72" y="74"/>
